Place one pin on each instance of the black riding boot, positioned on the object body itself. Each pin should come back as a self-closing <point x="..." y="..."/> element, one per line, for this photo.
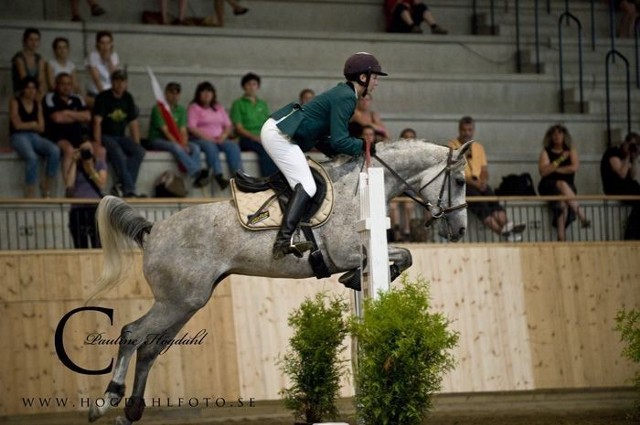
<point x="296" y="208"/>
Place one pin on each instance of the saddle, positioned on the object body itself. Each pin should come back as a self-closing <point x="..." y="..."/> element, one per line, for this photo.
<point x="261" y="201"/>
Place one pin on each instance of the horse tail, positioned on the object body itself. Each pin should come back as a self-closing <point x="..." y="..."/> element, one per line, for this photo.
<point x="119" y="225"/>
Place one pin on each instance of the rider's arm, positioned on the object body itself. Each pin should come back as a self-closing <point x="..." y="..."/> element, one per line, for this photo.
<point x="341" y="142"/>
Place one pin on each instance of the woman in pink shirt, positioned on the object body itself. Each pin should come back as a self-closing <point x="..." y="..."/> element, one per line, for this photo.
<point x="210" y="126"/>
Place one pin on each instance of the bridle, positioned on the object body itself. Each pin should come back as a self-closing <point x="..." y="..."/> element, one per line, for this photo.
<point x="438" y="211"/>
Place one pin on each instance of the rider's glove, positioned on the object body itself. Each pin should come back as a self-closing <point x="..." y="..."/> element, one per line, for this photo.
<point x="372" y="149"/>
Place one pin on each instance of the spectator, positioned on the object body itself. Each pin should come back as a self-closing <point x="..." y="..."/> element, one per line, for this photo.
<point x="67" y="119"/>
<point x="96" y="9"/>
<point x="292" y="130"/>
<point x="162" y="139"/>
<point x="210" y="125"/>
<point x="86" y="177"/>
<point x="476" y="174"/>
<point x="28" y="63"/>
<point x="248" y="114"/>
<point x="616" y="173"/>
<point x="401" y="220"/>
<point x="182" y="6"/>
<point x="218" y="19"/>
<point x="364" y="116"/>
<point x="557" y="164"/>
<point x="113" y="112"/>
<point x="61" y="64"/>
<point x="409" y="134"/>
<point x="100" y="64"/>
<point x="305" y="96"/>
<point x="629" y="14"/>
<point x="405" y="16"/>
<point x="25" y="126"/>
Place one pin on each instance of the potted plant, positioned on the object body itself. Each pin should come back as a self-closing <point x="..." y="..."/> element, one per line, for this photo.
<point x="313" y="362"/>
<point x="628" y="324"/>
<point x="403" y="352"/>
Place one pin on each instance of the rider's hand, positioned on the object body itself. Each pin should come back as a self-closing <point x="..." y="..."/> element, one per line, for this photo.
<point x="372" y="148"/>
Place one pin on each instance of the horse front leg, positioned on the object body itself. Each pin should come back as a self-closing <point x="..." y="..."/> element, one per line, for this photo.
<point x="400" y="259"/>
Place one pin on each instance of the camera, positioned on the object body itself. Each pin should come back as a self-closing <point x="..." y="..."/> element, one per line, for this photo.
<point x="86" y="154"/>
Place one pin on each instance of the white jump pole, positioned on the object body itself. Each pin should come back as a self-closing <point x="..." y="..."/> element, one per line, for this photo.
<point x="373" y="227"/>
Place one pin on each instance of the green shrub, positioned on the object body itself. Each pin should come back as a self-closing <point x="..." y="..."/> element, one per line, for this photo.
<point x="628" y="324"/>
<point x="404" y="350"/>
<point x="313" y="361"/>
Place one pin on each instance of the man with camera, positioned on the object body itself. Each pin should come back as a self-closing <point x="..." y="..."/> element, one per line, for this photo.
<point x="66" y="119"/>
<point x="616" y="171"/>
<point x="86" y="179"/>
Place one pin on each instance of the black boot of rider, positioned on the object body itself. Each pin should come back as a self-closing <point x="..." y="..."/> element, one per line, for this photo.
<point x="296" y="208"/>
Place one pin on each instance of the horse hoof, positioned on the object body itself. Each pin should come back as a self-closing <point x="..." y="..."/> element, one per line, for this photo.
<point x="121" y="420"/>
<point x="94" y="413"/>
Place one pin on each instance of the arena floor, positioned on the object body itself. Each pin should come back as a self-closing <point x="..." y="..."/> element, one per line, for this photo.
<point x="583" y="407"/>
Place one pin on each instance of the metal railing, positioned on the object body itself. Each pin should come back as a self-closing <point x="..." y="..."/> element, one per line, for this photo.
<point x="609" y="59"/>
<point x="568" y="15"/>
<point x="29" y="225"/>
<point x="475" y="27"/>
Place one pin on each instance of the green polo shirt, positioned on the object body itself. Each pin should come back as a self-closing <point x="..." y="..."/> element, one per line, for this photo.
<point x="325" y="118"/>
<point x="250" y="115"/>
<point x="157" y="121"/>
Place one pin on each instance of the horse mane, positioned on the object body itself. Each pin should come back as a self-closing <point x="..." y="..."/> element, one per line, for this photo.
<point x="342" y="165"/>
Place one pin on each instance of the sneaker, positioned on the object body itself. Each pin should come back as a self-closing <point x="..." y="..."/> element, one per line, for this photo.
<point x="222" y="182"/>
<point x="97" y="10"/>
<point x="416" y="29"/>
<point x="519" y="228"/>
<point x="507" y="229"/>
<point x="437" y="29"/>
<point x="116" y="190"/>
<point x="240" y="11"/>
<point x="202" y="178"/>
<point x="135" y="195"/>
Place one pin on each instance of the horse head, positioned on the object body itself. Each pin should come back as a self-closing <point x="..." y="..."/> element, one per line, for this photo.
<point x="433" y="176"/>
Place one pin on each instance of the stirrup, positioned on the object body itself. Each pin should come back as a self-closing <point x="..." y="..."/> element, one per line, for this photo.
<point x="299" y="248"/>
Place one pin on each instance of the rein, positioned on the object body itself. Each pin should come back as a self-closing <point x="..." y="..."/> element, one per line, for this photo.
<point x="439" y="211"/>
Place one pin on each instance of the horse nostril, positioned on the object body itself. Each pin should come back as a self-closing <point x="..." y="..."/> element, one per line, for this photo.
<point x="462" y="230"/>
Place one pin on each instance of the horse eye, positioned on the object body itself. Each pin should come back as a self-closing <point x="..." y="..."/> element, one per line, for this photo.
<point x="460" y="181"/>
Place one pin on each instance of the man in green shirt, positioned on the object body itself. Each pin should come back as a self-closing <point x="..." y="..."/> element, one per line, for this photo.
<point x="161" y="139"/>
<point x="113" y="112"/>
<point x="295" y="129"/>
<point x="248" y="114"/>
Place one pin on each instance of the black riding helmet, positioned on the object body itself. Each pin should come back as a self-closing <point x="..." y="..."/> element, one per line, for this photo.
<point x="362" y="63"/>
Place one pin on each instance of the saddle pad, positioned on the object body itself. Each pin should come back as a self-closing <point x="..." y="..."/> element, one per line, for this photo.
<point x="261" y="210"/>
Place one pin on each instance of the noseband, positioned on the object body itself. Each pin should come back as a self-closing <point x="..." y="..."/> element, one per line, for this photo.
<point x="439" y="211"/>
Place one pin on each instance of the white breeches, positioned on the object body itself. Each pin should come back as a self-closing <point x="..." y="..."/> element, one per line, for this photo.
<point x="288" y="157"/>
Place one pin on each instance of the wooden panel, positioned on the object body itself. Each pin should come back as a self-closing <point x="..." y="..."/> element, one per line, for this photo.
<point x="530" y="316"/>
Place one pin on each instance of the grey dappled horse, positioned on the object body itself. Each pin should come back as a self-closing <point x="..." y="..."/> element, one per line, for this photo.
<point x="189" y="253"/>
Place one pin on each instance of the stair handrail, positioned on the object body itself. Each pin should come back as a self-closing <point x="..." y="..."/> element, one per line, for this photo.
<point x="611" y="55"/>
<point x="474" y="19"/>
<point x="570" y="16"/>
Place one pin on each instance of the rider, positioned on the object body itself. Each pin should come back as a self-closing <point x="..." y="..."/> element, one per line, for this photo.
<point x="295" y="129"/>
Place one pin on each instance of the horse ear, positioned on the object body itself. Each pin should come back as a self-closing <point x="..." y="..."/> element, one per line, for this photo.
<point x="464" y="148"/>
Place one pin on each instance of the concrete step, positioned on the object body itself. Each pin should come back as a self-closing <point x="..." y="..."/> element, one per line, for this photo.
<point x="155" y="163"/>
<point x="301" y="15"/>
<point x="402" y="92"/>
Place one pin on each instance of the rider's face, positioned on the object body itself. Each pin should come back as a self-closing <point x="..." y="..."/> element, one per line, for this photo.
<point x="373" y="83"/>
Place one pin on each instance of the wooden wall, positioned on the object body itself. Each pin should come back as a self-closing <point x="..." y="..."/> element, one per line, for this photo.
<point x="530" y="316"/>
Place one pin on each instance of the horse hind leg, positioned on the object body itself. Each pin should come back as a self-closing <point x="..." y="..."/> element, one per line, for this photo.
<point x="146" y="356"/>
<point x="133" y="336"/>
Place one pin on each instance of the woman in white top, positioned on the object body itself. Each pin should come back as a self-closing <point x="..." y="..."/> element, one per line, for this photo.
<point x="101" y="63"/>
<point x="61" y="64"/>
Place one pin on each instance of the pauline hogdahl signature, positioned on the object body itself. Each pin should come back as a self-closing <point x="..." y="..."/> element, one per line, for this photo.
<point x="98" y="338"/>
